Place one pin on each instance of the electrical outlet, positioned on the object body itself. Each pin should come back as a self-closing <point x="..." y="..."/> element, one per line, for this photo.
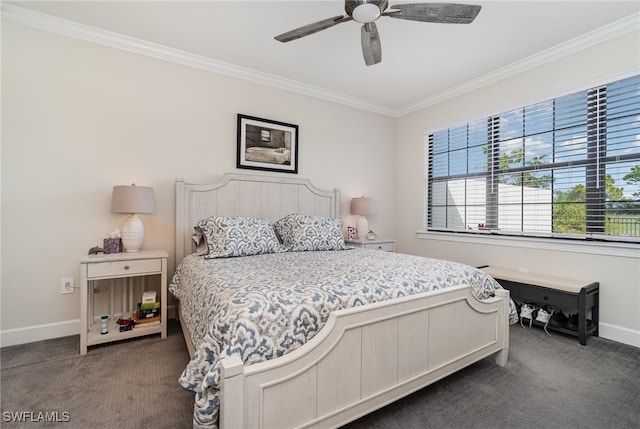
<point x="66" y="285"/>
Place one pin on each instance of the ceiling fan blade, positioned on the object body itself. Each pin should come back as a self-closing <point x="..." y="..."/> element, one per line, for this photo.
<point x="371" y="48"/>
<point x="445" y="13"/>
<point x="311" y="28"/>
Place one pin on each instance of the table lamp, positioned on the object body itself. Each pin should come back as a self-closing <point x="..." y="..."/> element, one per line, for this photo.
<point x="132" y="199"/>
<point x="363" y="206"/>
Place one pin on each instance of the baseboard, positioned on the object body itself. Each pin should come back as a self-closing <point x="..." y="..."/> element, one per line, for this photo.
<point x="30" y="334"/>
<point x="619" y="334"/>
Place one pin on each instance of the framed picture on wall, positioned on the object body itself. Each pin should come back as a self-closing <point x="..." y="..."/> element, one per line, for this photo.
<point x="264" y="144"/>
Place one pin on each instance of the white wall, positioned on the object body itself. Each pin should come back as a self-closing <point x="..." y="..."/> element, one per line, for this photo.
<point x="79" y="118"/>
<point x="619" y="277"/>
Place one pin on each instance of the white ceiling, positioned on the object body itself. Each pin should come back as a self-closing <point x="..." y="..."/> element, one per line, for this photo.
<point x="420" y="61"/>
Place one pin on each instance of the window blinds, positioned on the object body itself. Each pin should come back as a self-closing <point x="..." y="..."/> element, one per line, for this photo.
<point x="568" y="167"/>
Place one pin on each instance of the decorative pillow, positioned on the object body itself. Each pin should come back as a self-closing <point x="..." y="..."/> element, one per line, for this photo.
<point x="300" y="232"/>
<point x="238" y="236"/>
<point x="201" y="243"/>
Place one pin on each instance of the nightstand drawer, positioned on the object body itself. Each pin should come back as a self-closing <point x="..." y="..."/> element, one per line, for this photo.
<point x="127" y="268"/>
<point x="377" y="244"/>
<point x="387" y="247"/>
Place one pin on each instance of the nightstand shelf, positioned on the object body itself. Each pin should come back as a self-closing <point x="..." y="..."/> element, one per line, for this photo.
<point x="127" y="274"/>
<point x="94" y="336"/>
<point x="376" y="244"/>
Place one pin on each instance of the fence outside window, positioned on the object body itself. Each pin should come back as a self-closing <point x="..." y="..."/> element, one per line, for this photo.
<point x="567" y="167"/>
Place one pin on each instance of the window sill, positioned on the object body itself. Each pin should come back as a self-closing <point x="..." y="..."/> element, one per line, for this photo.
<point x="624" y="250"/>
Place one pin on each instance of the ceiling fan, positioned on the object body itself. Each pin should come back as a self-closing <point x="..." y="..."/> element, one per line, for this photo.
<point x="367" y="12"/>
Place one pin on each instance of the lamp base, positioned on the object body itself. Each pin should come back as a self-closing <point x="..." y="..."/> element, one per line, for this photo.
<point x="363" y="227"/>
<point x="132" y="233"/>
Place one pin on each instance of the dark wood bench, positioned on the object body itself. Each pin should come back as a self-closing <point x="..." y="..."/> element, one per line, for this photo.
<point x="567" y="294"/>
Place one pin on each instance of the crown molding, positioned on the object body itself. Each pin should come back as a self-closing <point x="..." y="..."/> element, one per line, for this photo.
<point x="69" y="28"/>
<point x="599" y="35"/>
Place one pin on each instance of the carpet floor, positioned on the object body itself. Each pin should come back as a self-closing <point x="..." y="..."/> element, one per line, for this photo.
<point x="125" y="384"/>
<point x="549" y="381"/>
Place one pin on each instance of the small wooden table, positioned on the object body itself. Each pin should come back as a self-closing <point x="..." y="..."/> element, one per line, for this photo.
<point x="125" y="266"/>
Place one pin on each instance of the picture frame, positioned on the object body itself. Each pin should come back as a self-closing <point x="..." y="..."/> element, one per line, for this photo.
<point x="264" y="144"/>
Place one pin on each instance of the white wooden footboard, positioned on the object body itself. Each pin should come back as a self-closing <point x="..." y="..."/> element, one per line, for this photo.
<point x="364" y="358"/>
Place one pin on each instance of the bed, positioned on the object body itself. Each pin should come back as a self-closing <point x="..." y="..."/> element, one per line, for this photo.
<point x="267" y="154"/>
<point x="317" y="338"/>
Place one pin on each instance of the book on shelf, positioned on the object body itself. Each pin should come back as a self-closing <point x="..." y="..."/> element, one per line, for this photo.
<point x="149" y="305"/>
<point x="149" y="297"/>
<point x="148" y="312"/>
<point x="141" y="322"/>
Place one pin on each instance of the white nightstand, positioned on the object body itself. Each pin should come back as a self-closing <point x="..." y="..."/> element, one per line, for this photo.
<point x="133" y="270"/>
<point x="377" y="244"/>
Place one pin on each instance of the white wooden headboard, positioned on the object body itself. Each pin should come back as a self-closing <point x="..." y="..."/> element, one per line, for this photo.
<point x="247" y="195"/>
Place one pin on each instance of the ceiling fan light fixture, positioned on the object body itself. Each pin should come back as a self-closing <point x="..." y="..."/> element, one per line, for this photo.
<point x="365" y="13"/>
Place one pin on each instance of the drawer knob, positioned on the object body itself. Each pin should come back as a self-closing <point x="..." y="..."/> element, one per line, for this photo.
<point x="379" y="247"/>
<point x="126" y="267"/>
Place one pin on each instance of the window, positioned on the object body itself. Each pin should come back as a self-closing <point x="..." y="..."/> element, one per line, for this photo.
<point x="568" y="167"/>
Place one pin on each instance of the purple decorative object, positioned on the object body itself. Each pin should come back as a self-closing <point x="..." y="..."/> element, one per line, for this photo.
<point x="112" y="245"/>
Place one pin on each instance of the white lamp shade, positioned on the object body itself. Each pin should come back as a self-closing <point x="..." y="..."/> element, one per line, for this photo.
<point x="366" y="12"/>
<point x="132" y="199"/>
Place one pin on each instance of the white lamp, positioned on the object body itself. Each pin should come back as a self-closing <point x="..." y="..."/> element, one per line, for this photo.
<point x="132" y="199"/>
<point x="366" y="12"/>
<point x="363" y="206"/>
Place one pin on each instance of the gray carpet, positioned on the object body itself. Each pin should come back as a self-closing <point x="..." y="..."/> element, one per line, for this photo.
<point x="125" y="384"/>
<point x="548" y="382"/>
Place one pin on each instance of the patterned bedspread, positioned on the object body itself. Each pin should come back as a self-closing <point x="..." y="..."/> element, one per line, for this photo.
<point x="261" y="307"/>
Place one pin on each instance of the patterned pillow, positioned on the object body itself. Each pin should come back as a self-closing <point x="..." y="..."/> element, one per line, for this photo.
<point x="300" y="232"/>
<point x="201" y="243"/>
<point x="238" y="236"/>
